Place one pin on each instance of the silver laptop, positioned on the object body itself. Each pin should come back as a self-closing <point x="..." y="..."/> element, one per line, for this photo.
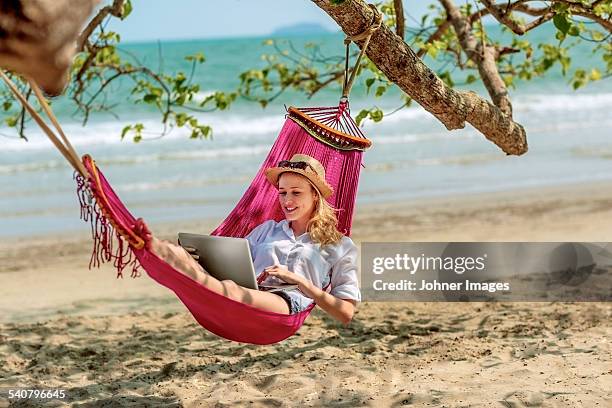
<point x="227" y="258"/>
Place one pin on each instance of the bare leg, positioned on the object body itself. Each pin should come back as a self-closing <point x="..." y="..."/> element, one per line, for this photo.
<point x="180" y="260"/>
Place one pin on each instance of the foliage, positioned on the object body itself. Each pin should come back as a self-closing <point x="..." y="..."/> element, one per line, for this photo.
<point x="101" y="63"/>
<point x="175" y="96"/>
<point x="517" y="58"/>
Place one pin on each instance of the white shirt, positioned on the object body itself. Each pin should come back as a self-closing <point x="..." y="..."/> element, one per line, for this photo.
<point x="275" y="243"/>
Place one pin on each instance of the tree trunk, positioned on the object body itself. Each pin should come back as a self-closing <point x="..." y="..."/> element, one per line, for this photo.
<point x="38" y="38"/>
<point x="401" y="65"/>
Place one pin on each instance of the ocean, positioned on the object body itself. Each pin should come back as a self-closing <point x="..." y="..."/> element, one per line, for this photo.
<point x="413" y="156"/>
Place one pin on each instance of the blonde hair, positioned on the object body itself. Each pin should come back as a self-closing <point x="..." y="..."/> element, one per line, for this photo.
<point x="323" y="224"/>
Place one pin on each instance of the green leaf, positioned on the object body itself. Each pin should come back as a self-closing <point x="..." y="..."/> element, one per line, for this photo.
<point x="11" y="121"/>
<point x="197" y="57"/>
<point x="125" y="131"/>
<point x="380" y="91"/>
<point x="205" y="130"/>
<point x="221" y="100"/>
<point x="361" y="116"/>
<point x="127" y="9"/>
<point x="376" y="115"/>
<point x="446" y="77"/>
<point x="150" y="98"/>
<point x="580" y="78"/>
<point x="179" y="79"/>
<point x="603" y="8"/>
<point x="560" y="36"/>
<point x="136" y="128"/>
<point x="562" y="23"/>
<point x="560" y="7"/>
<point x="470" y="79"/>
<point x="369" y="82"/>
<point x="565" y="64"/>
<point x="574" y="31"/>
<point x="432" y="50"/>
<point x="181" y="119"/>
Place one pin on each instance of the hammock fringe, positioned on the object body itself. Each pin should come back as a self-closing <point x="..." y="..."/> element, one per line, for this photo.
<point x="108" y="244"/>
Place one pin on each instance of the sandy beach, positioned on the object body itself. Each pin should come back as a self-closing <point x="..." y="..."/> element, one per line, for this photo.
<point x="113" y="342"/>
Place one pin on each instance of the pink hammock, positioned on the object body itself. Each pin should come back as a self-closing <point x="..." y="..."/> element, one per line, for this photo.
<point x="328" y="134"/>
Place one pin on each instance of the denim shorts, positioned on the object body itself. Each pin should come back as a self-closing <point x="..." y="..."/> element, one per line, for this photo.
<point x="295" y="300"/>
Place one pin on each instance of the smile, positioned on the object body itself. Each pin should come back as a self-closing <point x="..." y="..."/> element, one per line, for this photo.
<point x="290" y="209"/>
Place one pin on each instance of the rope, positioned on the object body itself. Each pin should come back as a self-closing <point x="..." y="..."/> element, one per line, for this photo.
<point x="51" y="115"/>
<point x="363" y="36"/>
<point x="64" y="146"/>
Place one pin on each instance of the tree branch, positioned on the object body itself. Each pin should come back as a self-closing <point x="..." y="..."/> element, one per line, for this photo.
<point x="483" y="55"/>
<point x="402" y="66"/>
<point x="575" y="8"/>
<point x="607" y="24"/>
<point x="505" y="18"/>
<point x="399" y="18"/>
<point x="116" y="9"/>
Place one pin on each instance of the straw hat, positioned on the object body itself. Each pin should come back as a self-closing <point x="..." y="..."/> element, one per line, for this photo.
<point x="306" y="166"/>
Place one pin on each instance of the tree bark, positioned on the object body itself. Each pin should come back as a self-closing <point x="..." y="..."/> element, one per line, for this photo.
<point x="402" y="66"/>
<point x="38" y="38"/>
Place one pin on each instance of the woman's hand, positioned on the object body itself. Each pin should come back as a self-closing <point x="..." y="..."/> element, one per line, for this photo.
<point x="341" y="309"/>
<point x="281" y="272"/>
<point x="192" y="251"/>
<point x="141" y="229"/>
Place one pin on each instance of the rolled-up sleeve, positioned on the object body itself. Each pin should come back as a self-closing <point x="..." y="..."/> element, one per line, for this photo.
<point x="344" y="281"/>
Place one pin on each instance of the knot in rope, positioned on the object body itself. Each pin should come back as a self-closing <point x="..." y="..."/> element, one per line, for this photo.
<point x="378" y="17"/>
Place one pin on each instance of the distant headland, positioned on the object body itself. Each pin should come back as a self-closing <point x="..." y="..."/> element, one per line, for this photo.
<point x="301" y="29"/>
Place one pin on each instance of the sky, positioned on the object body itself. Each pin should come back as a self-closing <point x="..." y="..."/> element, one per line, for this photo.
<point x="194" y="19"/>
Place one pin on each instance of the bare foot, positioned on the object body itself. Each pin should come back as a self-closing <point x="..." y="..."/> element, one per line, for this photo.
<point x="177" y="257"/>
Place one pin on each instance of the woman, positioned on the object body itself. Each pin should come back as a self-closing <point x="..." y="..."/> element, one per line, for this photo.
<point x="304" y="249"/>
